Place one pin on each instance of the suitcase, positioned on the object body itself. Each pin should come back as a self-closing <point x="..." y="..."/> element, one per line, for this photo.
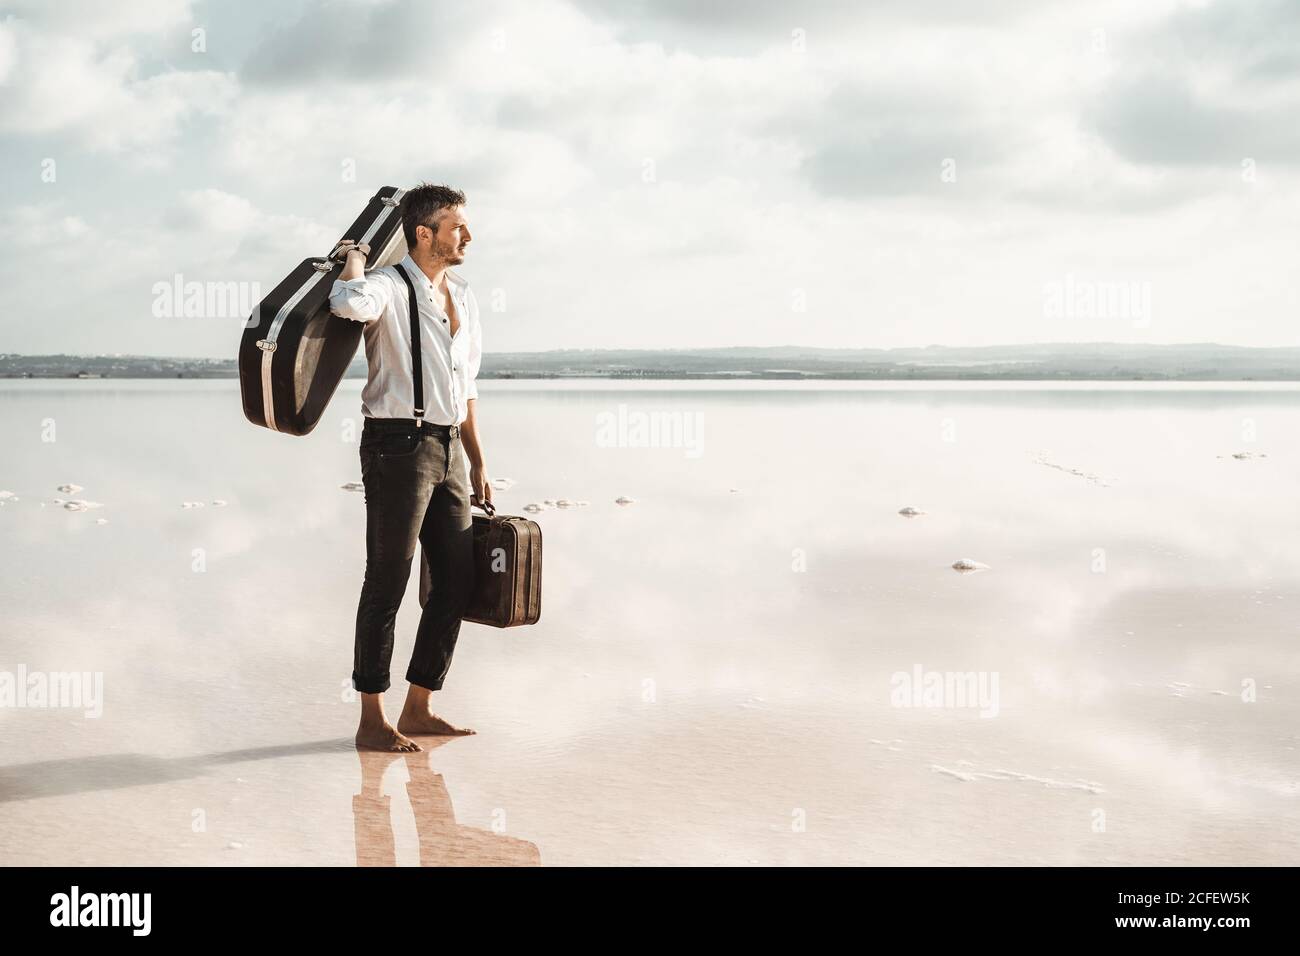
<point x="294" y="352"/>
<point x="508" y="572"/>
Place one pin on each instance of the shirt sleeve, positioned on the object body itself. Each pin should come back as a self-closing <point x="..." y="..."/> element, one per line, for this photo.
<point x="361" y="300"/>
<point x="475" y="344"/>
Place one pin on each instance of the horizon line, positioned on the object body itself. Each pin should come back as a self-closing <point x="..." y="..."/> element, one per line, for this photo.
<point x="701" y="348"/>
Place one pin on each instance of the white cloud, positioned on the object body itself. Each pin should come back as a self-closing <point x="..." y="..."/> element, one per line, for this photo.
<point x="39" y="229"/>
<point x="93" y="19"/>
<point x="211" y="210"/>
<point x="60" y="83"/>
<point x="8" y="52"/>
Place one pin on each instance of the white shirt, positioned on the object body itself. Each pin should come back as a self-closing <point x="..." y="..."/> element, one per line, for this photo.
<point x="450" y="363"/>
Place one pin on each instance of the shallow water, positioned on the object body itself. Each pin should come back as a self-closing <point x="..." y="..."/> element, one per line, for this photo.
<point x="711" y="680"/>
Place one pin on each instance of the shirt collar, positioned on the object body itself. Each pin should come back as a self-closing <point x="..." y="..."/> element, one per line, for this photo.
<point x="454" y="282"/>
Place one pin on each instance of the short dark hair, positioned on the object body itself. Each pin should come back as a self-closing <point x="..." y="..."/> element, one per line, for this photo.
<point x="423" y="202"/>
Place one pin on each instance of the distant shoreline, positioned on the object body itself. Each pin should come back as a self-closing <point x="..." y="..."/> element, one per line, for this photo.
<point x="1091" y="362"/>
<point x="711" y="377"/>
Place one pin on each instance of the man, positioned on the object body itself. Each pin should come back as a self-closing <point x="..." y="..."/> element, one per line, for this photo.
<point x="413" y="456"/>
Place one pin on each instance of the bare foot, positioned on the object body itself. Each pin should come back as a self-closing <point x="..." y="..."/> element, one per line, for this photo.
<point x="384" y="737"/>
<point x="423" y="722"/>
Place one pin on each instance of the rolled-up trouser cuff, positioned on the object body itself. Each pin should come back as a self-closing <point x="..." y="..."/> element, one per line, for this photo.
<point x="370" y="685"/>
<point x="424" y="680"/>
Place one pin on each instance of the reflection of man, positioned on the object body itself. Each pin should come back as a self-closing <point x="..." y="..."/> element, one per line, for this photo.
<point x="419" y="432"/>
<point x="443" y="842"/>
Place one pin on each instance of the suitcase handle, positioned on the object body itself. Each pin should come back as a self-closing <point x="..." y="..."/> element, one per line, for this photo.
<point x="487" y="507"/>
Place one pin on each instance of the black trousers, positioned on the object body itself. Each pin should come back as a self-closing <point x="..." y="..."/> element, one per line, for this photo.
<point x="417" y="492"/>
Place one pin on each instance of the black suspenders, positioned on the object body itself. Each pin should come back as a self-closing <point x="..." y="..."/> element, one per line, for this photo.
<point x="417" y="368"/>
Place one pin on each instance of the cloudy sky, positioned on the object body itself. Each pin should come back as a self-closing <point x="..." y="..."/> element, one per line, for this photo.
<point x="672" y="174"/>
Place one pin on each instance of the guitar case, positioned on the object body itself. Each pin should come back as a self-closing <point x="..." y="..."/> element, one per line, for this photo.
<point x="294" y="351"/>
